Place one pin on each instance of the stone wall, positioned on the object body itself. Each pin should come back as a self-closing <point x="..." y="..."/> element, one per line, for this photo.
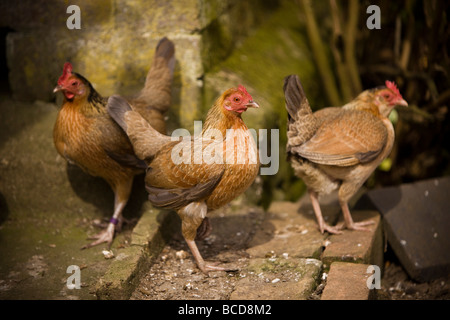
<point x="116" y="42"/>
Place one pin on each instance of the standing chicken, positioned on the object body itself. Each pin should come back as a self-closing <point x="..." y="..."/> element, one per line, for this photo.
<point x="85" y="135"/>
<point x="199" y="174"/>
<point x="339" y="147"/>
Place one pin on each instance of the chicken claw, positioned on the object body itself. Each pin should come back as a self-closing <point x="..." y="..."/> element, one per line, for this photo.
<point x="202" y="265"/>
<point x="106" y="236"/>
<point x="330" y="229"/>
<point x="359" y="226"/>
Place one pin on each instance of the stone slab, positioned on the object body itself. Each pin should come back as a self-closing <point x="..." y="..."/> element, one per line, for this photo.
<point x="278" y="279"/>
<point x="357" y="246"/>
<point x="347" y="281"/>
<point x="290" y="228"/>
<point x="417" y="222"/>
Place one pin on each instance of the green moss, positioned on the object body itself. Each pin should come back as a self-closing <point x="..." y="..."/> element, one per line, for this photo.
<point x="301" y="267"/>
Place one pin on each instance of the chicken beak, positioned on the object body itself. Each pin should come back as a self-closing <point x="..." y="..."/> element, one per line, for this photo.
<point x="402" y="102"/>
<point x="252" y="104"/>
<point x="57" y="88"/>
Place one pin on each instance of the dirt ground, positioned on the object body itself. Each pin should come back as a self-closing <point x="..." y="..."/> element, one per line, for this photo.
<point x="396" y="285"/>
<point x="175" y="276"/>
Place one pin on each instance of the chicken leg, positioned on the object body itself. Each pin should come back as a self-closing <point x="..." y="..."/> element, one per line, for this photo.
<point x="348" y="221"/>
<point x="323" y="226"/>
<point x="202" y="265"/>
<point x="193" y="216"/>
<point x="121" y="196"/>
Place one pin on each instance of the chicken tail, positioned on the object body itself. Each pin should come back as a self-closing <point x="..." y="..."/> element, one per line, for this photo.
<point x="166" y="50"/>
<point x="146" y="141"/>
<point x="297" y="104"/>
<point x="302" y="124"/>
<point x="156" y="94"/>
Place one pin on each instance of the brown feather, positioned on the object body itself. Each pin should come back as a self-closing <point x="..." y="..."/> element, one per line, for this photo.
<point x="181" y="197"/>
<point x="155" y="98"/>
<point x="145" y="139"/>
<point x="347" y="139"/>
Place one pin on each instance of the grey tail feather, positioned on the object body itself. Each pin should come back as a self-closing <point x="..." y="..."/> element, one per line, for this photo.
<point x="166" y="50"/>
<point x="295" y="96"/>
<point x="117" y="107"/>
<point x="127" y="160"/>
<point x="178" y="198"/>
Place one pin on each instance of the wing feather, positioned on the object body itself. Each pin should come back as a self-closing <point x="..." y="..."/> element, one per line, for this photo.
<point x="348" y="138"/>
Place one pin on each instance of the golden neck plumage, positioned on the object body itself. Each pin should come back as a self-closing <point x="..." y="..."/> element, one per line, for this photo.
<point x="92" y="104"/>
<point x="221" y="119"/>
<point x="364" y="102"/>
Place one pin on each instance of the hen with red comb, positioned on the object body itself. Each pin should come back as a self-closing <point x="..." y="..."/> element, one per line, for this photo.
<point x="338" y="148"/>
<point x="193" y="188"/>
<point x="85" y="135"/>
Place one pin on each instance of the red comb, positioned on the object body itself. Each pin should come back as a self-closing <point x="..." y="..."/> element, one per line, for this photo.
<point x="391" y="85"/>
<point x="67" y="71"/>
<point x="242" y="89"/>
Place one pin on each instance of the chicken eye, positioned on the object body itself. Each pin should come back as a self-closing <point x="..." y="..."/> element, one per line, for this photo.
<point x="236" y="99"/>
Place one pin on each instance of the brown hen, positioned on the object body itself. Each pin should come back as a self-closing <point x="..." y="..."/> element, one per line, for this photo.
<point x="194" y="175"/>
<point x="85" y="135"/>
<point x="339" y="147"/>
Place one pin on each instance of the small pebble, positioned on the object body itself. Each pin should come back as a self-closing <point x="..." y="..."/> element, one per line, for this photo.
<point x="145" y="291"/>
<point x="108" y="254"/>
<point x="181" y="254"/>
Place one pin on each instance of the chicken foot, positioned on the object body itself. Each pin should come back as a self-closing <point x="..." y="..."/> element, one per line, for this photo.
<point x="348" y="221"/>
<point x="107" y="235"/>
<point x="202" y="265"/>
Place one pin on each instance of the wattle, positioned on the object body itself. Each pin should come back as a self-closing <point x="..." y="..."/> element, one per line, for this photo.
<point x="69" y="95"/>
